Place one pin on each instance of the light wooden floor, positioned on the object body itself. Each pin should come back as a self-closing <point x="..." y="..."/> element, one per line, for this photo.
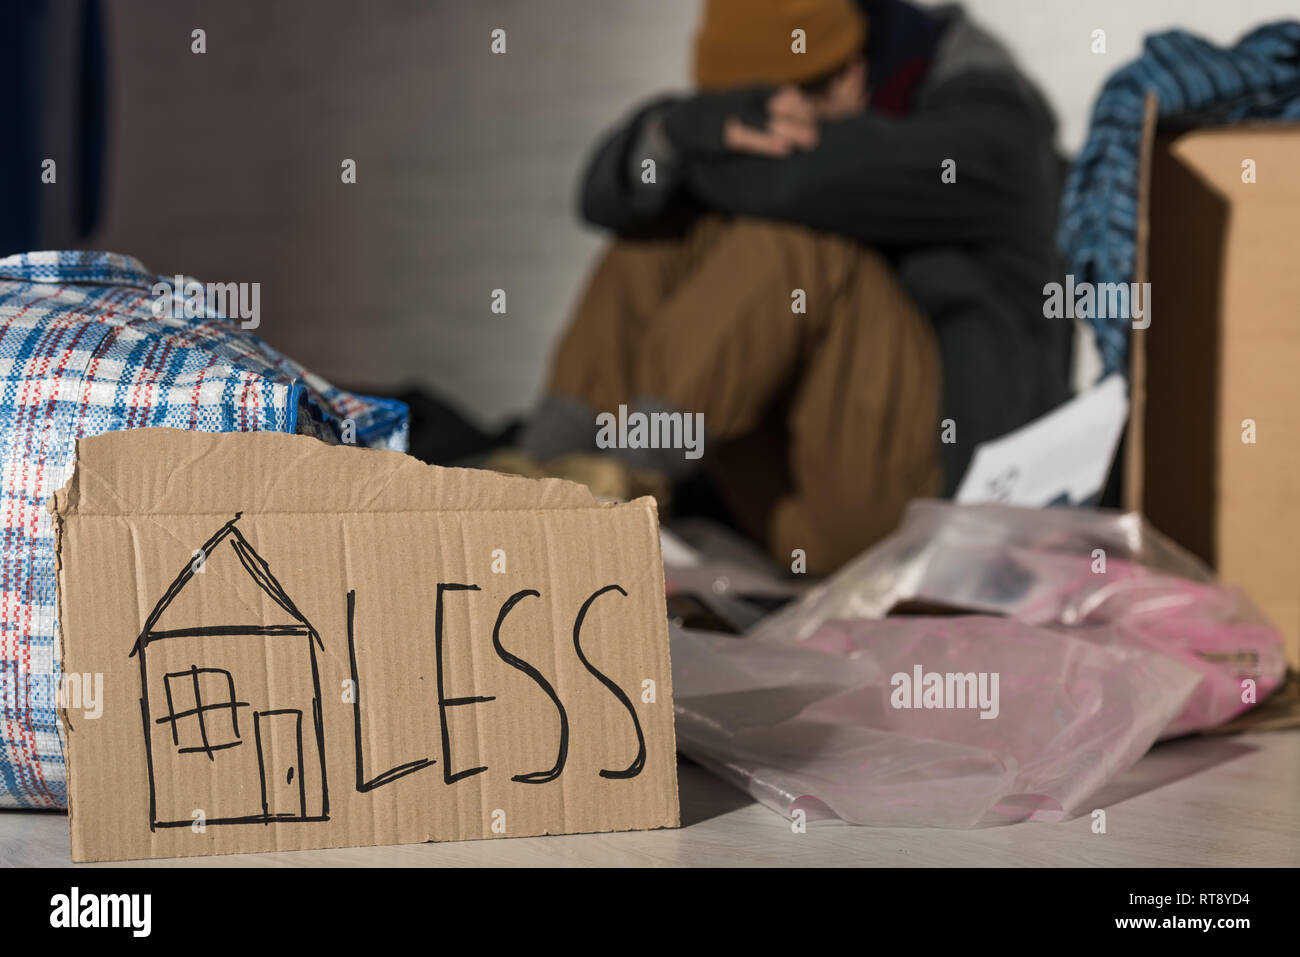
<point x="1229" y="801"/>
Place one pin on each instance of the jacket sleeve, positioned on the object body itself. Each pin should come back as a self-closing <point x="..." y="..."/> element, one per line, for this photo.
<point x="879" y="179"/>
<point x="612" y="194"/>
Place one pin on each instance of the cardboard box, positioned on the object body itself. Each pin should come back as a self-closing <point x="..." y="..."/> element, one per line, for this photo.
<point x="1214" y="437"/>
<point x="303" y="645"/>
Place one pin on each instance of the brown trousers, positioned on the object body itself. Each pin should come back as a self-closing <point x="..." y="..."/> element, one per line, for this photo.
<point x="821" y="425"/>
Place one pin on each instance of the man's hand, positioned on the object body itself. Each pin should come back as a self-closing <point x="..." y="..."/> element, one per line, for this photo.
<point x="791" y="124"/>
<point x="758" y="120"/>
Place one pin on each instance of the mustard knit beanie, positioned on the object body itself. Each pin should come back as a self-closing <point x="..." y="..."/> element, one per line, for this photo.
<point x="742" y="42"/>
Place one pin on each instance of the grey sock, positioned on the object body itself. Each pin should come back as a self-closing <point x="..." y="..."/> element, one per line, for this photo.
<point x="561" y="425"/>
<point x="673" y="461"/>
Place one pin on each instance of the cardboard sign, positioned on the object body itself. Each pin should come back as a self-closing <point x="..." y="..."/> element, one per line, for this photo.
<point x="303" y="645"/>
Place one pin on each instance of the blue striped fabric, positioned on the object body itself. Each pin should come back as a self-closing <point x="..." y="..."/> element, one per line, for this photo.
<point x="1194" y="81"/>
<point x="82" y="352"/>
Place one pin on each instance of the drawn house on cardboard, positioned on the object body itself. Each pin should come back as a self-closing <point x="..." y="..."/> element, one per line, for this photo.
<point x="230" y="695"/>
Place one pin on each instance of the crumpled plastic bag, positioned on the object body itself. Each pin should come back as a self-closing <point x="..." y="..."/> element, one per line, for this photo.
<point x="1103" y="637"/>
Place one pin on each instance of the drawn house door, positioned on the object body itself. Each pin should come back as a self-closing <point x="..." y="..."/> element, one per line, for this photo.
<point x="279" y="756"/>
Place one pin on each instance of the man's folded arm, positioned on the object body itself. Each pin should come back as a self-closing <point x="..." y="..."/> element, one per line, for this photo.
<point x="880" y="179"/>
<point x="614" y="194"/>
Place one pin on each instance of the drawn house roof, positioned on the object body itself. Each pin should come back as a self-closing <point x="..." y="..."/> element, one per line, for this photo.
<point x="228" y="574"/>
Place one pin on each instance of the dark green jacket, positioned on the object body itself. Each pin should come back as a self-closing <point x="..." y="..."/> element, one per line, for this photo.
<point x="974" y="254"/>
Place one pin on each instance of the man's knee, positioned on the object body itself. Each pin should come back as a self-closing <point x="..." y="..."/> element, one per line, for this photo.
<point x="805" y="257"/>
<point x="633" y="256"/>
<point x="775" y="230"/>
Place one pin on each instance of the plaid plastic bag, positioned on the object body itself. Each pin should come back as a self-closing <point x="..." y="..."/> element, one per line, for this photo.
<point x="89" y="344"/>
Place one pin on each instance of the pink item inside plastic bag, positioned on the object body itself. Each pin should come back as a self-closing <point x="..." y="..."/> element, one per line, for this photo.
<point x="1096" y="637"/>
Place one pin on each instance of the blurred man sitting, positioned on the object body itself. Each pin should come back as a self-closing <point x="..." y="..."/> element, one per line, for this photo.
<point x="835" y="251"/>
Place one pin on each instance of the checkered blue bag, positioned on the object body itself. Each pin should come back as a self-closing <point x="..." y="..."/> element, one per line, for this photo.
<point x="84" y="349"/>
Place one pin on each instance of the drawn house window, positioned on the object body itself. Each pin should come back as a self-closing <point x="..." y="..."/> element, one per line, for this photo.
<point x="230" y="695"/>
<point x="202" y="710"/>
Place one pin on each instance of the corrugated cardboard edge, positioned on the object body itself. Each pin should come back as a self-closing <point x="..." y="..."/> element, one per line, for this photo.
<point x="64" y="503"/>
<point x="652" y="507"/>
<point x="56" y="506"/>
<point x="1135" y="447"/>
<point x="397" y="482"/>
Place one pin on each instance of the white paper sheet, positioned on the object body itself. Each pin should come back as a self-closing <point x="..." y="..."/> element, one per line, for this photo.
<point x="1061" y="458"/>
